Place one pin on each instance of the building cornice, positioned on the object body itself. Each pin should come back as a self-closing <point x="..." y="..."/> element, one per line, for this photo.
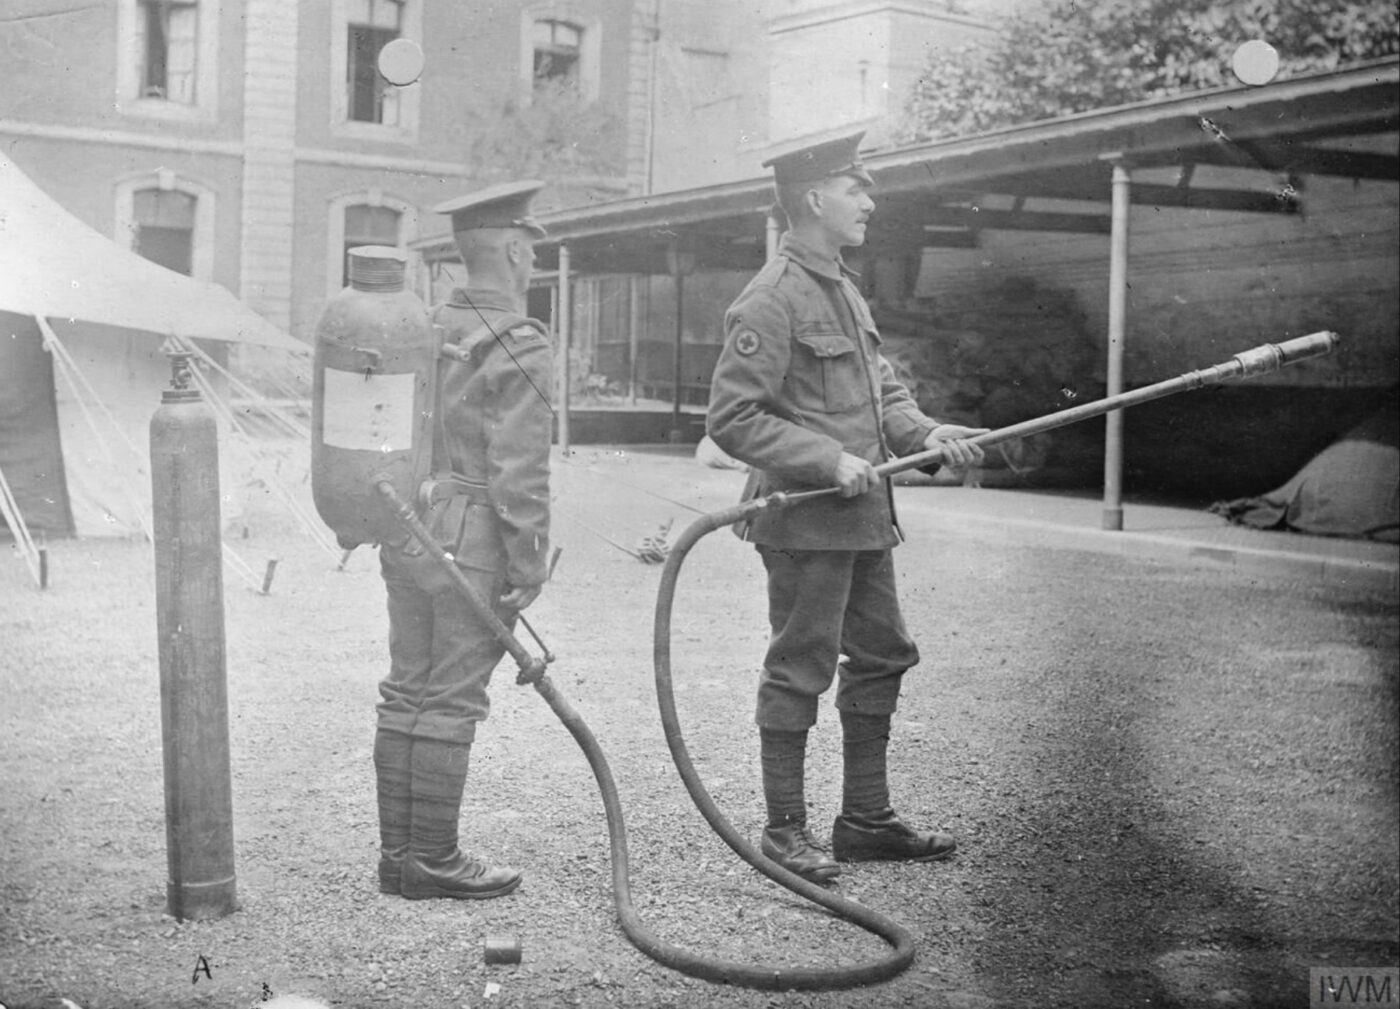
<point x="227" y="148"/>
<point x="356" y="159"/>
<point x="121" y="138"/>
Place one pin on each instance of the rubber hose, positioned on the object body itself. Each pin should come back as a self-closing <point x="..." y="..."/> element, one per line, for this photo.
<point x="805" y="978"/>
<point x="668" y="954"/>
<point x="532" y="671"/>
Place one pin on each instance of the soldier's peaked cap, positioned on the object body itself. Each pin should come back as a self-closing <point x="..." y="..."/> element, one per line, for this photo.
<point x="503" y="206"/>
<point x="820" y="161"/>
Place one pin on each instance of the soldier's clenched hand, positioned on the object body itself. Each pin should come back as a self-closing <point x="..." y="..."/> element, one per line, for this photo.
<point x="520" y="598"/>
<point x="854" y="476"/>
<point x="957" y="451"/>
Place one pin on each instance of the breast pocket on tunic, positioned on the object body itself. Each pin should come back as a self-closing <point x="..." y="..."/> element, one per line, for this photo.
<point x="825" y="372"/>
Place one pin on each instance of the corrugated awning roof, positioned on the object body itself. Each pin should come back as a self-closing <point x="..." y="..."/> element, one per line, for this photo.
<point x="937" y="193"/>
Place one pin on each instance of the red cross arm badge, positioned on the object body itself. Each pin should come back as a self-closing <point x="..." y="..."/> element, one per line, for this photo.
<point x="746" y="343"/>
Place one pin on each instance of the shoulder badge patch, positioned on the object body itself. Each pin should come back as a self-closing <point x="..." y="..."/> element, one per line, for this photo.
<point x="746" y="342"/>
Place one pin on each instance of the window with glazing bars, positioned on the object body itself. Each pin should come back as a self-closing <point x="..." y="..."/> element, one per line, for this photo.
<point x="371" y="25"/>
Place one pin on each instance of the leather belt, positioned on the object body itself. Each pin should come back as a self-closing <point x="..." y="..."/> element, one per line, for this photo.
<point x="442" y="486"/>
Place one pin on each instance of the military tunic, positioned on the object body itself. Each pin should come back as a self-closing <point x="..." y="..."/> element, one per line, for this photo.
<point x="493" y="438"/>
<point x="799" y="381"/>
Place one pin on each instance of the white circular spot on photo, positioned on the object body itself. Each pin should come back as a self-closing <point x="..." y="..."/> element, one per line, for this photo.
<point x="1255" y="62"/>
<point x="400" y="62"/>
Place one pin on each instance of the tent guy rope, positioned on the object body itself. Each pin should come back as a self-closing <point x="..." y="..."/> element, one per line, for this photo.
<point x="240" y="436"/>
<point x="9" y="510"/>
<point x="83" y="391"/>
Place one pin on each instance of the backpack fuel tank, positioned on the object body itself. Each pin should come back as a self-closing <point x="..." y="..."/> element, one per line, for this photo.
<point x="373" y="392"/>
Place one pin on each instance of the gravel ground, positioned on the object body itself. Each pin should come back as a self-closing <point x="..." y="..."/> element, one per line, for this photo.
<point x="1171" y="786"/>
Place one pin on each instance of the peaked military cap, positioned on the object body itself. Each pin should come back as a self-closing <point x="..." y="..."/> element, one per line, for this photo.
<point x="503" y="206"/>
<point x="821" y="161"/>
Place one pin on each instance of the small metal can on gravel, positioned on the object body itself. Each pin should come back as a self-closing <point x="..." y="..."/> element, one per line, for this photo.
<point x="502" y="949"/>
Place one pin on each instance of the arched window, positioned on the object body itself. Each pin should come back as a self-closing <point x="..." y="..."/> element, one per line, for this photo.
<point x="168" y="220"/>
<point x="365" y="217"/>
<point x="367" y="225"/>
<point x="163" y="228"/>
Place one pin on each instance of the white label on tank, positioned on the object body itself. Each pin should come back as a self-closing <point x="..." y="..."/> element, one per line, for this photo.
<point x="368" y="413"/>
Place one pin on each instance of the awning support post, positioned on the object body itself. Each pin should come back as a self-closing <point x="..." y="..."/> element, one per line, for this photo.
<point x="1117" y="330"/>
<point x="564" y="327"/>
<point x="679" y="262"/>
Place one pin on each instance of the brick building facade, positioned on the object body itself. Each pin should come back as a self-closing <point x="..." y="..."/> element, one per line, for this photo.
<point x="249" y="142"/>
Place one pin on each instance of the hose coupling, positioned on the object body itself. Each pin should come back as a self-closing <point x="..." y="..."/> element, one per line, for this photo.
<point x="531" y="672"/>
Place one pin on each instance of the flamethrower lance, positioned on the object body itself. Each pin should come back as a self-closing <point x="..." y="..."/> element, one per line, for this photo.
<point x="1262" y="360"/>
<point x="532" y="670"/>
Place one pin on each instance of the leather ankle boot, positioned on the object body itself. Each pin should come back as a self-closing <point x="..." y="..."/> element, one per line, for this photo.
<point x="883" y="836"/>
<point x="435" y="866"/>
<point x="454" y="875"/>
<point x="794" y="848"/>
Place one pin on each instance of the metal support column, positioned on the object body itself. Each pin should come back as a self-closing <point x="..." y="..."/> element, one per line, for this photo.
<point x="1117" y="330"/>
<point x="635" y="322"/>
<point x="564" y="327"/>
<point x="679" y="262"/>
<point x="677" y="389"/>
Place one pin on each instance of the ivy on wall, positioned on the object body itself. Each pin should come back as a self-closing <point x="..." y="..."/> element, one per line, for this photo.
<point x="556" y="133"/>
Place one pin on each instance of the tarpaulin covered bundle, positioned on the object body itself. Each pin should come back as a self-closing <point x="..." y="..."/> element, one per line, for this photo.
<point x="1351" y="488"/>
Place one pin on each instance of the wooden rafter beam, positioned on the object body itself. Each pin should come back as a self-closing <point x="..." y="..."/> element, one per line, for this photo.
<point x="1088" y="188"/>
<point x="907" y="232"/>
<point x="1018" y="220"/>
<point x="1296" y="159"/>
<point x="948" y="240"/>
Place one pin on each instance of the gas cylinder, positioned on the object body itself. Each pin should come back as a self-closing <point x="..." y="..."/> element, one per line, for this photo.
<point x="190" y="627"/>
<point x="372" y="398"/>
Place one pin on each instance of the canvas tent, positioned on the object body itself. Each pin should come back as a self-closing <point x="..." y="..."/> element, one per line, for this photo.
<point x="82" y="324"/>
